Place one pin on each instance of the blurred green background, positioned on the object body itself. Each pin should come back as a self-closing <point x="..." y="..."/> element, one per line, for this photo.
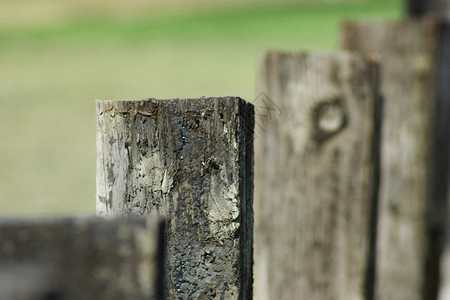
<point x="57" y="57"/>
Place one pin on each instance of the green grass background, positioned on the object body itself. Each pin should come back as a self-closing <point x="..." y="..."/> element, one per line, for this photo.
<point x="51" y="71"/>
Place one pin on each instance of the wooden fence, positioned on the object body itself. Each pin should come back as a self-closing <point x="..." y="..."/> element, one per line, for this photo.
<point x="351" y="178"/>
<point x="81" y="258"/>
<point x="413" y="195"/>
<point x="316" y="176"/>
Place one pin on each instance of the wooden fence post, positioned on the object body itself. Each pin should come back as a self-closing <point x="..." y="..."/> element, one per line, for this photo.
<point x="86" y="258"/>
<point x="191" y="160"/>
<point x="315" y="176"/>
<point x="418" y="8"/>
<point x="414" y="166"/>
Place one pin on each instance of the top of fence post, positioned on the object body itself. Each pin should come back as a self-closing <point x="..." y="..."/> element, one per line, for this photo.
<point x="315" y="176"/>
<point x="191" y="160"/>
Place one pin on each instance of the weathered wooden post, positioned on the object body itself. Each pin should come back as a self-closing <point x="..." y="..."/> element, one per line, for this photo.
<point x="84" y="258"/>
<point x="191" y="160"/>
<point x="414" y="166"/>
<point x="441" y="8"/>
<point x="315" y="176"/>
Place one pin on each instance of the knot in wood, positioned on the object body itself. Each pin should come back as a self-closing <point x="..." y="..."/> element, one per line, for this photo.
<point x="329" y="119"/>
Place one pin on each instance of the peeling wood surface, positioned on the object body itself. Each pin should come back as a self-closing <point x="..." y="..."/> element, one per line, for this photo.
<point x="85" y="258"/>
<point x="192" y="161"/>
<point x="412" y="195"/>
<point x="315" y="176"/>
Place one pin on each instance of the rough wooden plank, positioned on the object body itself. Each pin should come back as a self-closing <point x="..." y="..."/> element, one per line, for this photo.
<point x="191" y="160"/>
<point x="86" y="258"/>
<point x="414" y="152"/>
<point x="315" y="176"/>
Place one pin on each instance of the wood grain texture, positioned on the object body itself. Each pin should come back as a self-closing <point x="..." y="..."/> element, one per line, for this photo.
<point x="315" y="176"/>
<point x="192" y="161"/>
<point x="84" y="258"/>
<point x="414" y="155"/>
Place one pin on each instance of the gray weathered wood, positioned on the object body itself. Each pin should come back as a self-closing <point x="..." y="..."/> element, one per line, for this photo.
<point x="315" y="176"/>
<point x="85" y="258"/>
<point x="414" y="160"/>
<point x="191" y="160"/>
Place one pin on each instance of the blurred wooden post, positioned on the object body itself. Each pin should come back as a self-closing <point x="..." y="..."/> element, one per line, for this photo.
<point x="81" y="259"/>
<point x="315" y="176"/>
<point x="415" y="83"/>
<point x="440" y="8"/>
<point x="418" y="8"/>
<point x="192" y="161"/>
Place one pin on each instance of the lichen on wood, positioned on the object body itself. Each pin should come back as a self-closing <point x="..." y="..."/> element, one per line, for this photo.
<point x="192" y="161"/>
